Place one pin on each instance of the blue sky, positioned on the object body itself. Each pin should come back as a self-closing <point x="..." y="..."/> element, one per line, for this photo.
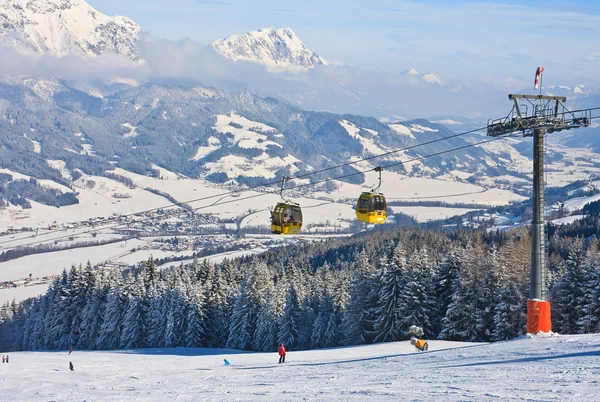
<point x="455" y="39"/>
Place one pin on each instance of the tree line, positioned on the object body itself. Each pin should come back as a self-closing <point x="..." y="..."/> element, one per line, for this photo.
<point x="466" y="286"/>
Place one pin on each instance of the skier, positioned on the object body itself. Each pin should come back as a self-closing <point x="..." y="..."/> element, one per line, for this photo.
<point x="227" y="362"/>
<point x="3" y="358"/>
<point x="70" y="350"/>
<point x="6" y="359"/>
<point x="281" y="353"/>
<point x="71" y="366"/>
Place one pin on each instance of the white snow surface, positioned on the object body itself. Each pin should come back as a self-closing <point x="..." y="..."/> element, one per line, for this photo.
<point x="60" y="27"/>
<point x="539" y="368"/>
<point x="567" y="219"/>
<point x="21" y="293"/>
<point x="580" y="202"/>
<point x="275" y="48"/>
<point x="367" y="143"/>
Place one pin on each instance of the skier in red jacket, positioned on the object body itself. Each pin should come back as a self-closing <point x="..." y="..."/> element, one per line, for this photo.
<point x="281" y="353"/>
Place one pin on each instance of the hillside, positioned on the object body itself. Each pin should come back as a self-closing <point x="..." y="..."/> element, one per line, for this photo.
<point x="557" y="368"/>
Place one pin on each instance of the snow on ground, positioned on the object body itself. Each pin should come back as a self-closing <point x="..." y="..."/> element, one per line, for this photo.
<point x="132" y="130"/>
<point x="144" y="255"/>
<point x="567" y="219"/>
<point x="556" y="368"/>
<point x="426" y="214"/>
<point x="398" y="187"/>
<point x="330" y="215"/>
<point x="580" y="202"/>
<point x="447" y="122"/>
<point x="368" y="144"/>
<point x="54" y="263"/>
<point x="246" y="133"/>
<point x="61" y="166"/>
<point x="213" y="144"/>
<point x="21" y="293"/>
<point x="402" y="129"/>
<point x="43" y="183"/>
<point x="218" y="258"/>
<point x="37" y="148"/>
<point x="93" y="202"/>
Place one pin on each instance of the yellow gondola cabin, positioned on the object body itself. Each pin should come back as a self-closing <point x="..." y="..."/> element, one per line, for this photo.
<point x="286" y="219"/>
<point x="371" y="208"/>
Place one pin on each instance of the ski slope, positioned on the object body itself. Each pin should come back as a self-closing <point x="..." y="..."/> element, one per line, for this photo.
<point x="556" y="368"/>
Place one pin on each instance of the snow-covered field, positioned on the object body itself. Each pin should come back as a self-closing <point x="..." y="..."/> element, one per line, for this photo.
<point x="22" y="293"/>
<point x="557" y="368"/>
<point x="47" y="264"/>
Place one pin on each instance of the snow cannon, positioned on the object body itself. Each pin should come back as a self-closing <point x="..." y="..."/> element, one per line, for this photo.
<point x="417" y="340"/>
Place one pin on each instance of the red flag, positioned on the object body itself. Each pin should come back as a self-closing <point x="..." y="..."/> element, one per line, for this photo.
<point x="538" y="74"/>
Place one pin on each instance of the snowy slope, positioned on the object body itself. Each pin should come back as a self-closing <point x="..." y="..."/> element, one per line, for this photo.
<point x="60" y="27"/>
<point x="269" y="46"/>
<point x="557" y="368"/>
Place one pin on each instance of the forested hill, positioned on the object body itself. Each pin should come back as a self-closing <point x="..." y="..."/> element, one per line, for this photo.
<point x="463" y="286"/>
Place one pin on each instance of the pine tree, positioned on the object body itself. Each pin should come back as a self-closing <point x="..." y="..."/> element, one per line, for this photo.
<point x="460" y="322"/>
<point x="589" y="322"/>
<point x="393" y="281"/>
<point x="359" y="317"/>
<point x="195" y="331"/>
<point x="445" y="280"/>
<point x="289" y="323"/>
<point x="111" y="328"/>
<point x="133" y="333"/>
<point x="509" y="313"/>
<point x="568" y="294"/>
<point x="245" y="310"/>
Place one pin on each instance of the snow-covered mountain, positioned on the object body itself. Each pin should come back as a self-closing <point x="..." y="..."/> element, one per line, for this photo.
<point x="279" y="48"/>
<point x="429" y="78"/>
<point x="60" y="27"/>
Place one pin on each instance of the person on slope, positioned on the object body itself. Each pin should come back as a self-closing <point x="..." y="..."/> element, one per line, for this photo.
<point x="3" y="358"/>
<point x="70" y="350"/>
<point x="281" y="353"/>
<point x="71" y="366"/>
<point x="6" y="358"/>
<point x="226" y="362"/>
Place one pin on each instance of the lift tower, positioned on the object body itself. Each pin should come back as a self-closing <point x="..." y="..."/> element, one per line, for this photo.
<point x="535" y="116"/>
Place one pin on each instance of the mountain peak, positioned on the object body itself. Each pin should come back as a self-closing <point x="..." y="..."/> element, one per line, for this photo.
<point x="410" y="71"/>
<point x="60" y="27"/>
<point x="429" y="78"/>
<point x="278" y="48"/>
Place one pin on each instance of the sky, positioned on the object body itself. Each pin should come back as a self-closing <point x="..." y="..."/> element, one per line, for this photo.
<point x="455" y="39"/>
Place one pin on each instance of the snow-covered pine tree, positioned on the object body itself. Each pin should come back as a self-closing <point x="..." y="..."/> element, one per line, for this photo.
<point x="92" y="317"/>
<point x="111" y="328"/>
<point x="414" y="303"/>
<point x="445" y="279"/>
<point x="175" y="323"/>
<point x="589" y="322"/>
<point x="319" y="336"/>
<point x="133" y="333"/>
<point x="568" y="295"/>
<point x="265" y="335"/>
<point x="460" y="322"/>
<point x="195" y="329"/>
<point x="389" y="322"/>
<point x="509" y="313"/>
<point x="289" y="322"/>
<point x="245" y="310"/>
<point x="359" y="316"/>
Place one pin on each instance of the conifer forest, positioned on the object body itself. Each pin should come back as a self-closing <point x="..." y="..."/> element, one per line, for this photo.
<point x="464" y="285"/>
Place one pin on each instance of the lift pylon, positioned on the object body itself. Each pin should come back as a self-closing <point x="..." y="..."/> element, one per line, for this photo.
<point x="535" y="116"/>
